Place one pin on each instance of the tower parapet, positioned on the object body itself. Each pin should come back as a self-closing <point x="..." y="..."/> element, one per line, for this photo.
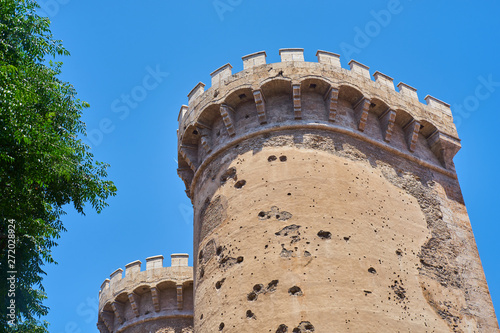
<point x="422" y="127"/>
<point x="325" y="200"/>
<point x="152" y="300"/>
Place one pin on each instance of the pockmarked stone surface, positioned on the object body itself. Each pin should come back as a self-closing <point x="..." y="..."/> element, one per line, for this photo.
<point x="325" y="201"/>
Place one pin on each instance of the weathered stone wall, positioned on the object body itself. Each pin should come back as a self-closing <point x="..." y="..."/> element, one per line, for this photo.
<point x="327" y="202"/>
<point x="159" y="299"/>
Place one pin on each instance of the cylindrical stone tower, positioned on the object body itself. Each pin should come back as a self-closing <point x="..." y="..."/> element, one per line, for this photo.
<point x="325" y="201"/>
<point x="156" y="300"/>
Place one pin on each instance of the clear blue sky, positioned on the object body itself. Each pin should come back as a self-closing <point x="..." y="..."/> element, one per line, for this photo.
<point x="445" y="49"/>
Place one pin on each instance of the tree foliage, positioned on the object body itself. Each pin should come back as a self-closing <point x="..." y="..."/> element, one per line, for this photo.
<point x="43" y="164"/>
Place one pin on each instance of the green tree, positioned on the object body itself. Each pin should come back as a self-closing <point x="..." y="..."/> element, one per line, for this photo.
<point x="43" y="164"/>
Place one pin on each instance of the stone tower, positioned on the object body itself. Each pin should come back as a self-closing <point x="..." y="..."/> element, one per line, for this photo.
<point x="325" y="201"/>
<point x="157" y="300"/>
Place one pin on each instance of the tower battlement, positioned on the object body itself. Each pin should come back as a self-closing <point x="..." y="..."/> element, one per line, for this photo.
<point x="318" y="95"/>
<point x="155" y="297"/>
<point x="223" y="76"/>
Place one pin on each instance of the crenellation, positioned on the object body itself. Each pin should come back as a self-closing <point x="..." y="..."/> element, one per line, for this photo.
<point x="133" y="272"/>
<point x="124" y="302"/>
<point x="132" y="268"/>
<point x="116" y="275"/>
<point x="359" y="68"/>
<point x="220" y="74"/>
<point x="384" y="80"/>
<point x="438" y="104"/>
<point x="271" y="81"/>
<point x="179" y="259"/>
<point x="105" y="284"/>
<point x="407" y="90"/>
<point x="182" y="113"/>
<point x="197" y="91"/>
<point x="254" y="60"/>
<point x="328" y="58"/>
<point x="292" y="54"/>
<point x="154" y="262"/>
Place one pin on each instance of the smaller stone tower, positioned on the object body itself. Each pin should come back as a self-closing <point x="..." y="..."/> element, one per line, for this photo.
<point x="157" y="300"/>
